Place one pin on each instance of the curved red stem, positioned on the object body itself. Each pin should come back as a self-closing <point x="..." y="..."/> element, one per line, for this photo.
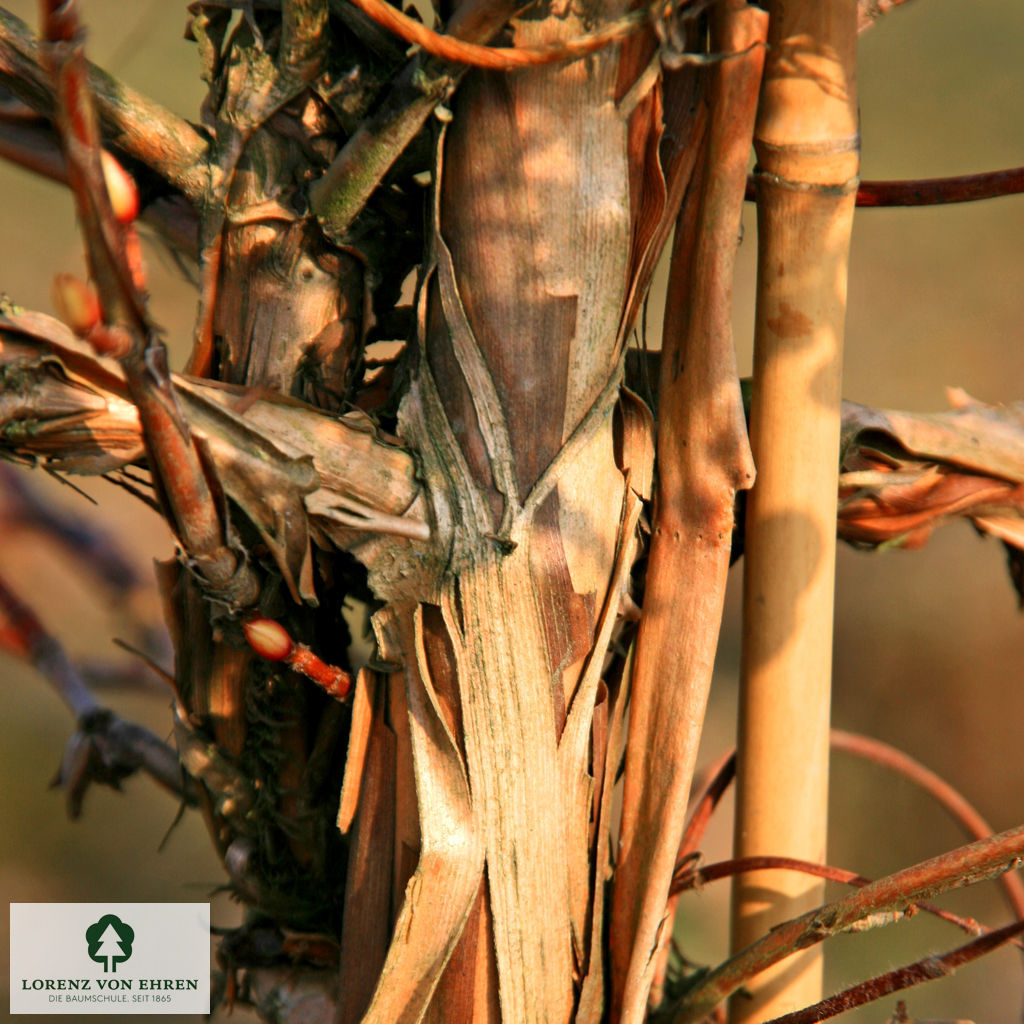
<point x="688" y="876"/>
<point x="723" y="771"/>
<point x="928" y="969"/>
<point x="963" y="188"/>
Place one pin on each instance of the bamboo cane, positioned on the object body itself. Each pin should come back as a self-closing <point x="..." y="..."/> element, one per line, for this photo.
<point x="807" y="147"/>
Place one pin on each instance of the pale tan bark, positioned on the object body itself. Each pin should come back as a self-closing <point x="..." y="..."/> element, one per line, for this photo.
<point x="704" y="459"/>
<point x="533" y="520"/>
<point x="807" y="146"/>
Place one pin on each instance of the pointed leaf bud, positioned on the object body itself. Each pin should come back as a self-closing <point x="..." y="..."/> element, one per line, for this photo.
<point x="124" y="196"/>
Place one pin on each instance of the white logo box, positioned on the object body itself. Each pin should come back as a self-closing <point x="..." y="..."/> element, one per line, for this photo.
<point x="110" y="958"/>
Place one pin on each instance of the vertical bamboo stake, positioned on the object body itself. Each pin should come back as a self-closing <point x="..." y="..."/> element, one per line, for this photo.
<point x="807" y="147"/>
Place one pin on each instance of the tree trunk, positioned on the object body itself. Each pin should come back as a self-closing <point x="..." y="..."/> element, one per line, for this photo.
<point x="512" y="410"/>
<point x="486" y="776"/>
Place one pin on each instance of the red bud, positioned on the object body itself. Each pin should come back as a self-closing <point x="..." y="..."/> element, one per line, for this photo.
<point x="124" y="196"/>
<point x="76" y="303"/>
<point x="268" y="639"/>
<point x="114" y="342"/>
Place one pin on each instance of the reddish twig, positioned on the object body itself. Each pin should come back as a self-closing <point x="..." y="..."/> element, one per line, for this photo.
<point x="167" y="144"/>
<point x="498" y="58"/>
<point x="928" y="969"/>
<point x="270" y="640"/>
<point x="964" y="188"/>
<point x="712" y="787"/>
<point x="719" y="777"/>
<point x="127" y="332"/>
<point x="691" y="877"/>
<point x="25" y="636"/>
<point x="965" y="865"/>
<point x="953" y="801"/>
<point x="723" y="772"/>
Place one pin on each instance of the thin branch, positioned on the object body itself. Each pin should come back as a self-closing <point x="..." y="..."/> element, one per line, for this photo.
<point x="691" y="877"/>
<point x="723" y="771"/>
<point x="711" y="787"/>
<point x="499" y="58"/>
<point x="965" y="865"/>
<point x="952" y="800"/>
<point x="127" y="332"/>
<point x="928" y="969"/>
<point x="25" y="636"/>
<point x="104" y="748"/>
<point x="167" y="144"/>
<point x="81" y="539"/>
<point x="963" y="188"/>
<point x="720" y="776"/>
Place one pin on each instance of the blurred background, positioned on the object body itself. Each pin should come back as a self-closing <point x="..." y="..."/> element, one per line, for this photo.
<point x="929" y="644"/>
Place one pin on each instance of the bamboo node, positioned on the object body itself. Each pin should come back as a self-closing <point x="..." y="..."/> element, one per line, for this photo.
<point x="762" y="178"/>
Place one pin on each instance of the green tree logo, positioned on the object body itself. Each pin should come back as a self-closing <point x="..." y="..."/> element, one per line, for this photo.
<point x="110" y="942"/>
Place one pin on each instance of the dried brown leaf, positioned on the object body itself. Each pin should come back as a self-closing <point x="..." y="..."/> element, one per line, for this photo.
<point x="365" y="931"/>
<point x="981" y="438"/>
<point x="355" y="758"/>
<point x="440" y="894"/>
<point x="903" y="474"/>
<point x="282" y="462"/>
